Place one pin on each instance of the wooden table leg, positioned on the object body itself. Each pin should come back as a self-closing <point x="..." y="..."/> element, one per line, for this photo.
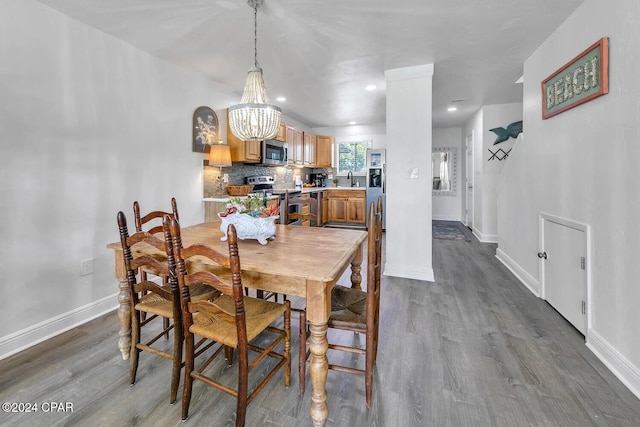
<point x="124" y="317"/>
<point x="318" y="368"/>
<point x="356" y="267"/>
<point x="124" y="310"/>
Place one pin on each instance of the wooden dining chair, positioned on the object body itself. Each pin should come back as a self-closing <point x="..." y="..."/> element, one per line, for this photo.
<point x="152" y="222"/>
<point x="232" y="321"/>
<point x="306" y="209"/>
<point x="355" y="310"/>
<point x="153" y="301"/>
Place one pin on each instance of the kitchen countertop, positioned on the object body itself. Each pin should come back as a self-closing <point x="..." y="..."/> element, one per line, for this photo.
<point x="316" y="189"/>
<point x="224" y="199"/>
<point x="306" y="190"/>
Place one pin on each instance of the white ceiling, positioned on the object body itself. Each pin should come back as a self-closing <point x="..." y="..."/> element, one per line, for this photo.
<point x="321" y="54"/>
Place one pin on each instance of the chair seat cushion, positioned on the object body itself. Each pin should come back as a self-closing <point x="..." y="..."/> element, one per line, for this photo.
<point x="156" y="304"/>
<point x="216" y="321"/>
<point x="348" y="308"/>
<point x="200" y="291"/>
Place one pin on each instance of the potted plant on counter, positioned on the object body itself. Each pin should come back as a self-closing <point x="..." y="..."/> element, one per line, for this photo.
<point x="335" y="182"/>
<point x="251" y="218"/>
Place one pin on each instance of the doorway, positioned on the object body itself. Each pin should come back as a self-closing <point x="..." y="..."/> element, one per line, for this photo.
<point x="468" y="212"/>
<point x="564" y="268"/>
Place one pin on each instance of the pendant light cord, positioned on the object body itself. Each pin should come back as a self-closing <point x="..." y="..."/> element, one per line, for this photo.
<point x="255" y="34"/>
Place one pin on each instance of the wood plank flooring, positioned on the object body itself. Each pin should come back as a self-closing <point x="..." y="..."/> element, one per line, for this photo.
<point x="475" y="348"/>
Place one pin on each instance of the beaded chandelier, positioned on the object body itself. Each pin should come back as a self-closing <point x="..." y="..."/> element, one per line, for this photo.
<point x="254" y="119"/>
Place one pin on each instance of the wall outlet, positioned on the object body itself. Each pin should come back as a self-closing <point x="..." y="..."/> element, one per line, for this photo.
<point x="225" y="177"/>
<point x="86" y="267"/>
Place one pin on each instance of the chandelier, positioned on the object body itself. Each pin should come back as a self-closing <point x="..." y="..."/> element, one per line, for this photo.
<point x="254" y="119"/>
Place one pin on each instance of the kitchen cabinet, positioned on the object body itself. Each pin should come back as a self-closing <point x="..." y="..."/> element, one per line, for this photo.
<point x="242" y="151"/>
<point x="324" y="145"/>
<point x="324" y="208"/>
<point x="295" y="139"/>
<point x="348" y="206"/>
<point x="309" y="149"/>
<point x="211" y="210"/>
<point x="282" y="133"/>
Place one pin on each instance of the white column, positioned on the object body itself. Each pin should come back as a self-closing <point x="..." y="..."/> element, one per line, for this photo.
<point x="408" y="209"/>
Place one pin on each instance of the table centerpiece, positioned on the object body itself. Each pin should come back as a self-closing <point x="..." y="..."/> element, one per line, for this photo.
<point x="250" y="216"/>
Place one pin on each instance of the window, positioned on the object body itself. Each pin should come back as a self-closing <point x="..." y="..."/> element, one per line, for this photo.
<point x="352" y="157"/>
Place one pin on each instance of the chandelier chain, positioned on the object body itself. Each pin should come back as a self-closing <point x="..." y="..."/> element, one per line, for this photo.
<point x="255" y="34"/>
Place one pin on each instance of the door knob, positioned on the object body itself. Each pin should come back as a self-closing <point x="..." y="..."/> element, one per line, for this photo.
<point x="542" y="255"/>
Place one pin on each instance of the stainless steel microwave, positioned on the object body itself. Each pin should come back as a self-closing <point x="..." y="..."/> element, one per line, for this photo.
<point x="274" y="152"/>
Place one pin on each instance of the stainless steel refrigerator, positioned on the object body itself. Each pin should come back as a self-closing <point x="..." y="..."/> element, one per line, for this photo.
<point x="376" y="177"/>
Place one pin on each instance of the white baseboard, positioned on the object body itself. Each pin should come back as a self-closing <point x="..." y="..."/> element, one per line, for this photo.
<point x="525" y="278"/>
<point x="616" y="362"/>
<point x="425" y="274"/>
<point x="444" y="218"/>
<point x="28" y="337"/>
<point x="485" y="238"/>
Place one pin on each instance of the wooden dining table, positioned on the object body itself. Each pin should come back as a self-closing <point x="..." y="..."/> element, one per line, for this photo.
<point x="300" y="261"/>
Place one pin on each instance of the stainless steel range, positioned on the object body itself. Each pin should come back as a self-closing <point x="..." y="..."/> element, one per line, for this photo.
<point x="260" y="183"/>
<point x="264" y="186"/>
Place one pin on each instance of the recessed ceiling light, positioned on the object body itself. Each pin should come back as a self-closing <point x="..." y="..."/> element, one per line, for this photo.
<point x="352" y="123"/>
<point x="451" y="109"/>
<point x="281" y="99"/>
<point x="371" y="87"/>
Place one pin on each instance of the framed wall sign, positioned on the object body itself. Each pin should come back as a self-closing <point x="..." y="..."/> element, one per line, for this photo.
<point x="582" y="79"/>
<point x="205" y="129"/>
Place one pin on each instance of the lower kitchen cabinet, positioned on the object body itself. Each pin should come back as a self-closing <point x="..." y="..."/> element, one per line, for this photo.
<point x="347" y="206"/>
<point x="211" y="210"/>
<point x="325" y="208"/>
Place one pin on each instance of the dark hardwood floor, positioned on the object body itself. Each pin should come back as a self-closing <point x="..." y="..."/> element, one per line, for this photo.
<point x="475" y="349"/>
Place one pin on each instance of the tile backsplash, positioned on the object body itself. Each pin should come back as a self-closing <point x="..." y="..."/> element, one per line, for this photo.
<point x="284" y="176"/>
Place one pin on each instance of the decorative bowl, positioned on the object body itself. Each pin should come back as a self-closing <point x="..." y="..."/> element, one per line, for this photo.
<point x="249" y="227"/>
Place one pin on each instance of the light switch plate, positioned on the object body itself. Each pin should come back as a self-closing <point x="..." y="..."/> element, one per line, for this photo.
<point x="86" y="267"/>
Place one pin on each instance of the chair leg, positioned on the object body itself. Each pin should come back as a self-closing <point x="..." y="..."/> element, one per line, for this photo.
<point x="188" y="381"/>
<point x="302" y="352"/>
<point x="243" y="387"/>
<point x="177" y="360"/>
<point x="165" y="326"/>
<point x="135" y="351"/>
<point x="369" y="355"/>
<point x="287" y="344"/>
<point x="228" y="355"/>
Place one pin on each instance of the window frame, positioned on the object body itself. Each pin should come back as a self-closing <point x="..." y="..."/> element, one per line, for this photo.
<point x="367" y="143"/>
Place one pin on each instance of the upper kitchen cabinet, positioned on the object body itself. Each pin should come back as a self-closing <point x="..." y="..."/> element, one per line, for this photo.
<point x="242" y="151"/>
<point x="309" y="149"/>
<point x="295" y="139"/>
<point x="282" y="132"/>
<point x="324" y="145"/>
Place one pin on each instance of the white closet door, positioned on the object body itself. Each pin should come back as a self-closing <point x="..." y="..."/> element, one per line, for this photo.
<point x="565" y="279"/>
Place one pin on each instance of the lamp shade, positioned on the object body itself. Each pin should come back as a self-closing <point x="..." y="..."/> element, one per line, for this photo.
<point x="220" y="155"/>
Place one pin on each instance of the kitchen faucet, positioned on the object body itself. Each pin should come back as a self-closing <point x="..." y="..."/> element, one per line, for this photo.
<point x="350" y="177"/>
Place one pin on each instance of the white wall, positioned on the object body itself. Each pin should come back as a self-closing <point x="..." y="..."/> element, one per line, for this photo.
<point x="377" y="133"/>
<point x="558" y="169"/>
<point x="88" y="125"/>
<point x="450" y="207"/>
<point x="486" y="172"/>
<point x="408" y="210"/>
